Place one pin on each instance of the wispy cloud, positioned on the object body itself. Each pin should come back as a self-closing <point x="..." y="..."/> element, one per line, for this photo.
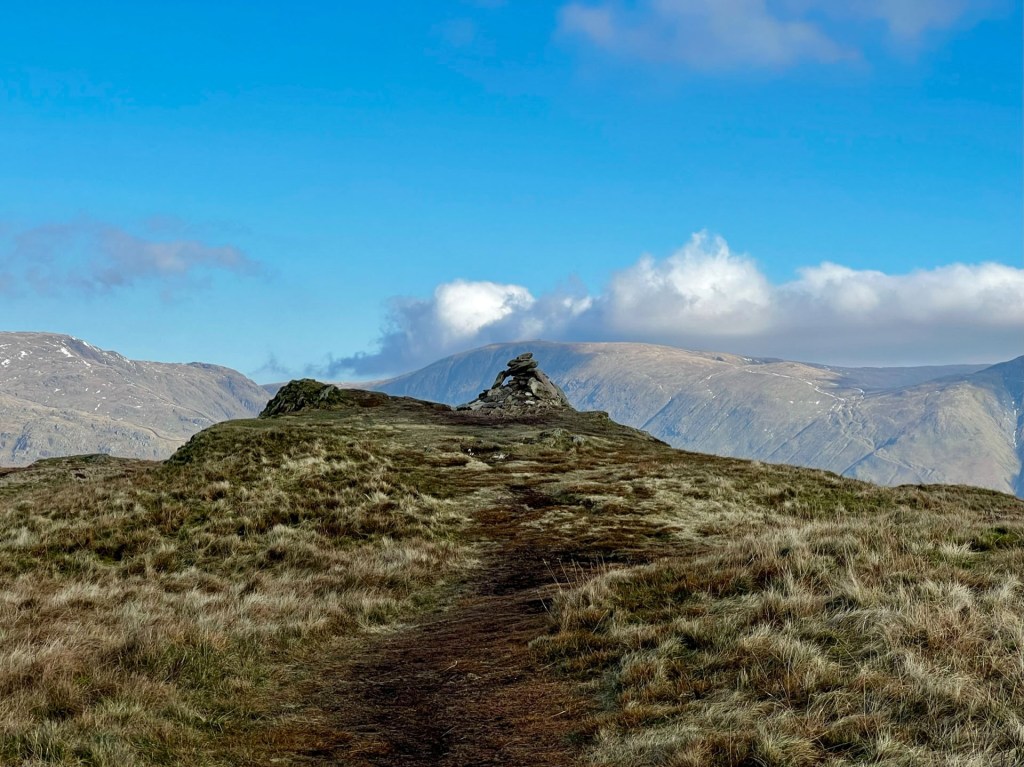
<point x="273" y="368"/>
<point x="738" y="34"/>
<point x="904" y="20"/>
<point x="90" y="256"/>
<point x="707" y="296"/>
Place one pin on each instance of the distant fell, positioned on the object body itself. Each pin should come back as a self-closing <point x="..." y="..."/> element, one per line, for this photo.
<point x="60" y="395"/>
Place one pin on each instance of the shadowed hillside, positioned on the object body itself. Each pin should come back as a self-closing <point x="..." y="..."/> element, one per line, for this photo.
<point x="369" y="580"/>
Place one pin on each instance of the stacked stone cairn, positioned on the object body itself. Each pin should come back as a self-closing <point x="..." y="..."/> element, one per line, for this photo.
<point x="527" y="390"/>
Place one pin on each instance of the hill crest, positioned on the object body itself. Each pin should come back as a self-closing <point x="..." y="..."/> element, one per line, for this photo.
<point x="391" y="582"/>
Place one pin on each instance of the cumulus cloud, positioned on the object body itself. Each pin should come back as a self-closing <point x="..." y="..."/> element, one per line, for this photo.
<point x="91" y="256"/>
<point x="460" y="314"/>
<point x="706" y="296"/>
<point x="461" y="309"/>
<point x="729" y="34"/>
<point x="703" y="284"/>
<point x="960" y="312"/>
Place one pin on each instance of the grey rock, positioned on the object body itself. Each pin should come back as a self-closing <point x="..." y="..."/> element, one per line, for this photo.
<point x="520" y="387"/>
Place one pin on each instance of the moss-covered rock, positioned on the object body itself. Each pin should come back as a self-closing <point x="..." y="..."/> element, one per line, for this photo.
<point x="307" y="394"/>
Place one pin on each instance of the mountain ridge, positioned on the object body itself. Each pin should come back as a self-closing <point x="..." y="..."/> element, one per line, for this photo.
<point x="60" y="395"/>
<point x="955" y="424"/>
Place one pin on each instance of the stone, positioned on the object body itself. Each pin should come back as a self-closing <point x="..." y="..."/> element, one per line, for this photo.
<point x="522" y="387"/>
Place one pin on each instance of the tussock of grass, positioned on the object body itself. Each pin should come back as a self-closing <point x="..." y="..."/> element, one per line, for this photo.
<point x="807" y="623"/>
<point x="148" y="611"/>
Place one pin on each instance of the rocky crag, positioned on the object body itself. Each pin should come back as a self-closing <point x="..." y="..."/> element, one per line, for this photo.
<point x="308" y="394"/>
<point x="527" y="390"/>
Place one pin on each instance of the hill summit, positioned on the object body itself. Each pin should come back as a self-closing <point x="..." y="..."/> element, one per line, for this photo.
<point x="953" y="424"/>
<point x="521" y="388"/>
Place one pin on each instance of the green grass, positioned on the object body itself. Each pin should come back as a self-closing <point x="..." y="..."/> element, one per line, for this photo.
<point x="149" y="611"/>
<point x="808" y="620"/>
<point x="716" y="612"/>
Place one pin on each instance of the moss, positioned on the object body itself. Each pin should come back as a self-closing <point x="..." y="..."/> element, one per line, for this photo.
<point x="999" y="537"/>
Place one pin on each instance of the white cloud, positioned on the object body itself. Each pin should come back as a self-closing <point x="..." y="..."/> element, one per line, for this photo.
<point x="730" y="34"/>
<point x="703" y="285"/>
<point x="839" y="289"/>
<point x="461" y="309"/>
<point x="980" y="295"/>
<point x="459" y="315"/>
<point x="706" y="296"/>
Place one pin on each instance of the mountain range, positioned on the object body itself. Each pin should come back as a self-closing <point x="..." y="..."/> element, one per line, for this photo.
<point x="959" y="424"/>
<point x="62" y="396"/>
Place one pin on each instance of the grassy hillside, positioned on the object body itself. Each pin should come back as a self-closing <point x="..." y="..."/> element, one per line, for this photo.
<point x="392" y="583"/>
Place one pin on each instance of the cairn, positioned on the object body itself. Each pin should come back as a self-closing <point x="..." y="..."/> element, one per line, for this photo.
<point x="527" y="390"/>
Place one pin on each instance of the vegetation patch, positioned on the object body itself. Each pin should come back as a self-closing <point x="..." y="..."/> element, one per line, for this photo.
<point x="368" y="583"/>
<point x="999" y="537"/>
<point x="155" y="614"/>
<point x="808" y="627"/>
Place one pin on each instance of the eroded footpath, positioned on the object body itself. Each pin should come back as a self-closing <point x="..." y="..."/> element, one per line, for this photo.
<point x="462" y="685"/>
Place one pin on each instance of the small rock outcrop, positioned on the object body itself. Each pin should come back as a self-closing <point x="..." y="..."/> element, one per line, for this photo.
<point x="527" y="390"/>
<point x="307" y="394"/>
<point x="302" y="394"/>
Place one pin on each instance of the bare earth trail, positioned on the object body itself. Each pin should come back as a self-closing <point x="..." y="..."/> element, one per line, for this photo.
<point x="462" y="687"/>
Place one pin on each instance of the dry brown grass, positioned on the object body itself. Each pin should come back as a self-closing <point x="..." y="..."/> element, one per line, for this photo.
<point x="155" y="614"/>
<point x="717" y="612"/>
<point x="806" y="620"/>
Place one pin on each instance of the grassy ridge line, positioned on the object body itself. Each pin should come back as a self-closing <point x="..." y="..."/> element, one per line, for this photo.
<point x="156" y="614"/>
<point x="812" y="621"/>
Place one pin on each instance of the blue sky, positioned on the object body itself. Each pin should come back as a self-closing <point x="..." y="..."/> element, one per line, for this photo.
<point x="355" y="189"/>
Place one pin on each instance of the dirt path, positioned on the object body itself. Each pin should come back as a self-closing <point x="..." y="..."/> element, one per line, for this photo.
<point x="463" y="688"/>
<point x="463" y="691"/>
